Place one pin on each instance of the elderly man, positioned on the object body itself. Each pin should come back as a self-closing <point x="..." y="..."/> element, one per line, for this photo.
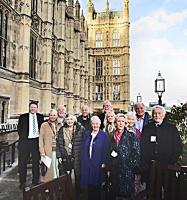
<point x="61" y="114"/>
<point x="107" y="106"/>
<point x="142" y="116"/>
<point x="84" y="118"/>
<point x="160" y="140"/>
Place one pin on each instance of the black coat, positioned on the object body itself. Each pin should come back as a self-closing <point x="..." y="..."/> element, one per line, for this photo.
<point x="86" y="123"/>
<point x="165" y="147"/>
<point x="23" y="127"/>
<point x="102" y="118"/>
<point x="77" y="141"/>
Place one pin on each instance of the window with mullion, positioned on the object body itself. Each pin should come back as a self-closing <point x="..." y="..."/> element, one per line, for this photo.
<point x="116" y="91"/>
<point x="32" y="63"/>
<point x="99" y="91"/>
<point x="99" y="40"/>
<point x="1" y="23"/>
<point x="99" y="67"/>
<point x="116" y="66"/>
<point x="3" y="39"/>
<point x="116" y="39"/>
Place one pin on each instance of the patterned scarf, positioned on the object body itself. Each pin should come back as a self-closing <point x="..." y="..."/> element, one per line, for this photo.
<point x="117" y="136"/>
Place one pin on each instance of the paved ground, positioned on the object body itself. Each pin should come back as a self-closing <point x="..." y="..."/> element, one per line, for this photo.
<point x="9" y="184"/>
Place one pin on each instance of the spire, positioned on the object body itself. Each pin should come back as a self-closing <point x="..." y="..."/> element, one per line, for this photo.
<point x="70" y="7"/>
<point x="90" y="5"/>
<point x="126" y="10"/>
<point x="107" y="6"/>
<point x="82" y="21"/>
<point x="77" y="9"/>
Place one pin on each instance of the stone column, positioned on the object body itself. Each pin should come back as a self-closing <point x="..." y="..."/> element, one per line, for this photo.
<point x="22" y="87"/>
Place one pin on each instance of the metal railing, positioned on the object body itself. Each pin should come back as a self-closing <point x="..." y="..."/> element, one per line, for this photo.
<point x="167" y="182"/>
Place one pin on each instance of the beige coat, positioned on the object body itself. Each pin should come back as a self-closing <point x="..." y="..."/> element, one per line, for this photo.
<point x="45" y="146"/>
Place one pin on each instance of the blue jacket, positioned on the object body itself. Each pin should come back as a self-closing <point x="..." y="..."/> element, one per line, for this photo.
<point x="91" y="172"/>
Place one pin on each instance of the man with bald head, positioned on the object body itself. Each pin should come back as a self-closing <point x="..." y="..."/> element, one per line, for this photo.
<point x="85" y="116"/>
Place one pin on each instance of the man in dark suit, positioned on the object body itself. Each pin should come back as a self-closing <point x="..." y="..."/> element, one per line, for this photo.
<point x="107" y="106"/>
<point x="142" y="116"/>
<point x="160" y="140"/>
<point x="28" y="131"/>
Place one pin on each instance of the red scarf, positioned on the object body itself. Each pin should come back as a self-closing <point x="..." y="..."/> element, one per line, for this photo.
<point x="117" y="136"/>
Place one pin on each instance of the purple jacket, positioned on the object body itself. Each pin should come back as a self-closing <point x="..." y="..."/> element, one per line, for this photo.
<point x="91" y="172"/>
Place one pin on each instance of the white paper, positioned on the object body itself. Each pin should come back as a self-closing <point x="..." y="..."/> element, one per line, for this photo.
<point x="153" y="138"/>
<point x="70" y="146"/>
<point x="46" y="160"/>
<point x="114" y="154"/>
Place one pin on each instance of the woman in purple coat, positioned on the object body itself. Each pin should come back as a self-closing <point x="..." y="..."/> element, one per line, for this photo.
<point x="94" y="151"/>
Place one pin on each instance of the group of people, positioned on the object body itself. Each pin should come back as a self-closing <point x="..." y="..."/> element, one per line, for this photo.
<point x="109" y="148"/>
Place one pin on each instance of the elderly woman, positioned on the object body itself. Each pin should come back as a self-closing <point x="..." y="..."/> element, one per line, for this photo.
<point x="93" y="158"/>
<point x="47" y="145"/>
<point x="69" y="142"/>
<point x="109" y="123"/>
<point x="131" y="129"/>
<point x="124" y="157"/>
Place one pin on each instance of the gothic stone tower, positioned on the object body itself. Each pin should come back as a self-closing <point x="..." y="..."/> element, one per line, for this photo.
<point x="109" y="53"/>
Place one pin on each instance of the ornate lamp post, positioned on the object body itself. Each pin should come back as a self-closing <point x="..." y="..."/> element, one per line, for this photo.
<point x="159" y="87"/>
<point x="139" y="98"/>
<point x="131" y="105"/>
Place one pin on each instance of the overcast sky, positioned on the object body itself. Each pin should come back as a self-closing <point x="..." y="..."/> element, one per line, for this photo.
<point x="158" y="43"/>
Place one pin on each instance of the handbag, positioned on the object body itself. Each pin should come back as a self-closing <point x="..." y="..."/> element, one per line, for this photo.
<point x="43" y="169"/>
<point x="67" y="164"/>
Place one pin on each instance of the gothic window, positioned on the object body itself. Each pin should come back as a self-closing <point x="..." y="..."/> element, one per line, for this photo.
<point x="99" y="40"/>
<point x="116" y="66"/>
<point x="99" y="91"/>
<point x="32" y="61"/>
<point x="34" y="6"/>
<point x="116" y="39"/>
<point x="3" y="39"/>
<point x="99" y="67"/>
<point x="116" y="91"/>
<point x="4" y="102"/>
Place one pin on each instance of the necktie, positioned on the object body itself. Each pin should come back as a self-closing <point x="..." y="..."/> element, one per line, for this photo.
<point x="34" y="124"/>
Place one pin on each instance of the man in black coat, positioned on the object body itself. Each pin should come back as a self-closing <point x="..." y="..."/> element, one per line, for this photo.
<point x="160" y="140"/>
<point x="28" y="131"/>
<point x="85" y="118"/>
<point x="107" y="106"/>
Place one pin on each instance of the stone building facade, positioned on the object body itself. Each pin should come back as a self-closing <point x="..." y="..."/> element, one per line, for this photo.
<point x="109" y="54"/>
<point x="50" y="54"/>
<point x="43" y="56"/>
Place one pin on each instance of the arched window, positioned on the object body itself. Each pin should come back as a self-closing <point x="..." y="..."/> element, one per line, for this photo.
<point x="116" y="39"/>
<point x="99" y="40"/>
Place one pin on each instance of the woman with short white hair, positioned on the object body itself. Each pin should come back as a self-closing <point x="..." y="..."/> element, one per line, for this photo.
<point x="69" y="142"/>
<point x="93" y="158"/>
